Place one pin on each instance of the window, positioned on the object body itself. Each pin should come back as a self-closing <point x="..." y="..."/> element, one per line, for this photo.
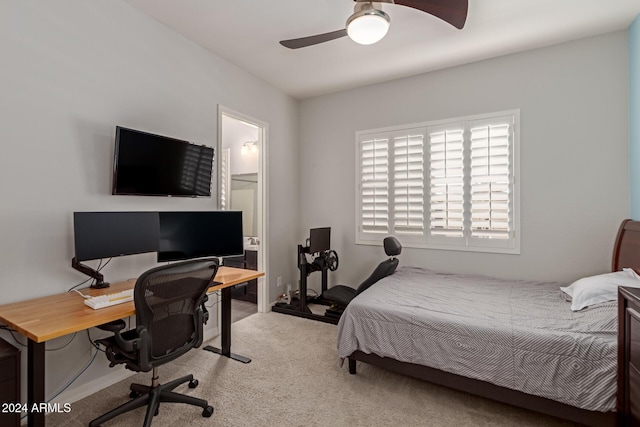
<point x="448" y="184"/>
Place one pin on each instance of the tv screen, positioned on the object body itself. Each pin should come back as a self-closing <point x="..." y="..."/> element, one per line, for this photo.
<point x="100" y="235"/>
<point x="319" y="239"/>
<point x="194" y="234"/>
<point x="154" y="165"/>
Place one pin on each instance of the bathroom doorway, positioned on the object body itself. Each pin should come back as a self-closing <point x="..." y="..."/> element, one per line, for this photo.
<point x="242" y="187"/>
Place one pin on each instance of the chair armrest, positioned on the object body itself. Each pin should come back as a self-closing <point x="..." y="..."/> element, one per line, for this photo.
<point x="115" y="326"/>
<point x="200" y="319"/>
<point x="143" y="349"/>
<point x="127" y="343"/>
<point x="204" y="308"/>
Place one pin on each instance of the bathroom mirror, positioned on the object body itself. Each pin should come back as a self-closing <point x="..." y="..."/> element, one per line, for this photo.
<point x="244" y="197"/>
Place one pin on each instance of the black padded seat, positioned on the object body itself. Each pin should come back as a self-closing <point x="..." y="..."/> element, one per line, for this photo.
<point x="341" y="295"/>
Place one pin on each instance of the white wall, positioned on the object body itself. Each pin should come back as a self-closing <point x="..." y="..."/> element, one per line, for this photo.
<point x="574" y="169"/>
<point x="71" y="71"/>
<point x="634" y="111"/>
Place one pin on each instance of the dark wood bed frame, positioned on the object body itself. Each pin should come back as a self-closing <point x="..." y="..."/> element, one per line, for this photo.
<point x="626" y="253"/>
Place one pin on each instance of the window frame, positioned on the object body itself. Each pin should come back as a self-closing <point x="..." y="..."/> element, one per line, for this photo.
<point x="467" y="242"/>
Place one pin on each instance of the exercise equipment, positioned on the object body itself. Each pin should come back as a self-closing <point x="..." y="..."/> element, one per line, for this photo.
<point x="339" y="296"/>
<point x="324" y="260"/>
<point x="318" y="257"/>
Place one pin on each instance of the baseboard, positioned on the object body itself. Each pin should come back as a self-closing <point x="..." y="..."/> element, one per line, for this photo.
<point x="87" y="389"/>
<point x="211" y="333"/>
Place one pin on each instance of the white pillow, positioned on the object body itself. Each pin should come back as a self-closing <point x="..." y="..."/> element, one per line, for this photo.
<point x="601" y="288"/>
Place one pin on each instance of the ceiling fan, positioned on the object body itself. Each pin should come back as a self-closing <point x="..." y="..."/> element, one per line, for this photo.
<point x="369" y="24"/>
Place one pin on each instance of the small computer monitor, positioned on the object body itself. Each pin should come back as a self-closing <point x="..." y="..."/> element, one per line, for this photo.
<point x="196" y="234"/>
<point x="319" y="239"/>
<point x="100" y="235"/>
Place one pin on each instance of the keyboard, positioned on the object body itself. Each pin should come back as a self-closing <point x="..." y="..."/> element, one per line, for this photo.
<point x="108" y="300"/>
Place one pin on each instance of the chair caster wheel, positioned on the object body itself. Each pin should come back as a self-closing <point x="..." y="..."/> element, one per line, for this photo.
<point x="134" y="394"/>
<point x="207" y="412"/>
<point x="193" y="383"/>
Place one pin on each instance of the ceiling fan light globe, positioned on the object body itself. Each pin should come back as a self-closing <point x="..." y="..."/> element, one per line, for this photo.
<point x="368" y="26"/>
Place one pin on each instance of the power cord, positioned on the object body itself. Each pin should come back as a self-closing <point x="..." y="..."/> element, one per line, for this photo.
<point x="82" y="371"/>
<point x="66" y="386"/>
<point x="13" y="331"/>
<point x="60" y="348"/>
<point x="79" y="284"/>
<point x="96" y="346"/>
<point x="80" y="293"/>
<point x="215" y="302"/>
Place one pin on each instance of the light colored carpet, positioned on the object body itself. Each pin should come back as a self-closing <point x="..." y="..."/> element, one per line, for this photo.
<point x="295" y="380"/>
<point x="241" y="309"/>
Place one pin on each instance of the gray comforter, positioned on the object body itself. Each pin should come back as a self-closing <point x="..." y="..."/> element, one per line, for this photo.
<point x="516" y="334"/>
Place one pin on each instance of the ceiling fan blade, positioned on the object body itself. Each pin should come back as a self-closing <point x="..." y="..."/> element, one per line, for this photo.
<point x="311" y="40"/>
<point x="452" y="11"/>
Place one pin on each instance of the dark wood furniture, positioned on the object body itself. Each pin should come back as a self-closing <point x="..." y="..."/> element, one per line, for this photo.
<point x="249" y="291"/>
<point x="626" y="253"/>
<point x="9" y="384"/>
<point x="627" y="243"/>
<point x="629" y="356"/>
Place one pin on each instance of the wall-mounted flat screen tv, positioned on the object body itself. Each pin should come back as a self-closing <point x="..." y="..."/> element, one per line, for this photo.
<point x="154" y="165"/>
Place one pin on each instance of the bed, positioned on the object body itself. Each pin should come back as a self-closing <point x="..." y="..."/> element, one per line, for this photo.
<point x="517" y="342"/>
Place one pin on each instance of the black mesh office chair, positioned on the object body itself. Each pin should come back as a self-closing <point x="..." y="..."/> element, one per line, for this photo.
<point x="170" y="314"/>
<point x="340" y="295"/>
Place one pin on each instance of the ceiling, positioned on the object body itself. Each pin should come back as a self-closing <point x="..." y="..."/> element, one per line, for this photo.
<point x="247" y="32"/>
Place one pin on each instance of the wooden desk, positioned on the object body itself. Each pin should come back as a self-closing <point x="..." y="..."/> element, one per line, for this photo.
<point x="42" y="319"/>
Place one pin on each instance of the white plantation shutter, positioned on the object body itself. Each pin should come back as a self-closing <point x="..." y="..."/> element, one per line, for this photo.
<point x="225" y="179"/>
<point x="490" y="180"/>
<point x="447" y="182"/>
<point x="374" y="185"/>
<point x="408" y="183"/>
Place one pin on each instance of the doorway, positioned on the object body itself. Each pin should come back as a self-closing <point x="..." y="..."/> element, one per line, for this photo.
<point x="242" y="142"/>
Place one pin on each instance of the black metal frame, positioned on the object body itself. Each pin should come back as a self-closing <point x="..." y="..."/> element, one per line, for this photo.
<point x="95" y="274"/>
<point x="225" y="332"/>
<point x="35" y="378"/>
<point x="298" y="306"/>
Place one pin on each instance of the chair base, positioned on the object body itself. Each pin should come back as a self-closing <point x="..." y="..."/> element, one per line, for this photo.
<point x="151" y="396"/>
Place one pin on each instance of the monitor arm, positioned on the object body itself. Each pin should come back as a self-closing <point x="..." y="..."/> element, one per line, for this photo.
<point x="95" y="274"/>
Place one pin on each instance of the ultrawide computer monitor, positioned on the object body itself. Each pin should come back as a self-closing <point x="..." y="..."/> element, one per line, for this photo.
<point x="193" y="234"/>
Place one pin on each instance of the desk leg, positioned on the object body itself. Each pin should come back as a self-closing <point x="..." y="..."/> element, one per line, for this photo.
<point x="35" y="382"/>
<point x="225" y="330"/>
